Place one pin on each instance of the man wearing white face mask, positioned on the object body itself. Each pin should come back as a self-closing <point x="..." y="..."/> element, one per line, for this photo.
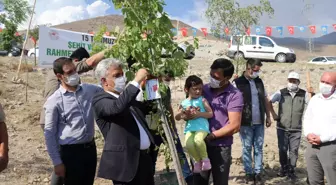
<point x="69" y="126"/>
<point x="256" y="106"/>
<point x="319" y="127"/>
<point x="292" y="102"/>
<point x="125" y="159"/>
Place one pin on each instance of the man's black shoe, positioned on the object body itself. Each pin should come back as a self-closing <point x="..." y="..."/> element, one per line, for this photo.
<point x="258" y="179"/>
<point x="249" y="179"/>
<point x="292" y="177"/>
<point x="282" y="172"/>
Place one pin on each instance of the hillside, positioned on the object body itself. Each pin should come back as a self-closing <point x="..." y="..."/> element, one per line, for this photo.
<point x="302" y="43"/>
<point x="111" y="21"/>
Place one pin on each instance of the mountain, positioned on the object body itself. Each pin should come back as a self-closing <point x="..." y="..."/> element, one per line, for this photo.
<point x="111" y="21"/>
<point x="329" y="39"/>
<point x="302" y="43"/>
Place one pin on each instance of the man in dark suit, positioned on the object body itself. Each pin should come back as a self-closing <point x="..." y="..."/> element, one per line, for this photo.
<point x="125" y="159"/>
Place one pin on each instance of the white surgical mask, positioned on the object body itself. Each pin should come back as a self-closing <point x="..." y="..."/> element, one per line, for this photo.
<point x="120" y="84"/>
<point x="73" y="80"/>
<point x="255" y="75"/>
<point x="214" y="83"/>
<point x="325" y="89"/>
<point x="292" y="86"/>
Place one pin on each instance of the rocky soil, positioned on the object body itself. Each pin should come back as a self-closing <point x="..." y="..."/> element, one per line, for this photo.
<point x="29" y="161"/>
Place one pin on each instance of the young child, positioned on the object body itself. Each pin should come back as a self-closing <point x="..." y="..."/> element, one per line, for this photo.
<point x="197" y="128"/>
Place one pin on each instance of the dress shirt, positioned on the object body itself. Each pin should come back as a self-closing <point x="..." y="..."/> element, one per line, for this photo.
<point x="69" y="118"/>
<point x="320" y="117"/>
<point x="144" y="139"/>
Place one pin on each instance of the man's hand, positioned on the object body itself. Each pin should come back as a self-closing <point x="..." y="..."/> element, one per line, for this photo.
<point x="314" y="139"/>
<point x="210" y="137"/>
<point x="317" y="140"/>
<point x="310" y="138"/>
<point x="310" y="90"/>
<point x="3" y="162"/>
<point x="60" y="170"/>
<point x="141" y="75"/>
<point x="268" y="122"/>
<point x="275" y="117"/>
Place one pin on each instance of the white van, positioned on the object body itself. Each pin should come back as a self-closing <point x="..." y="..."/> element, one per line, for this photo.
<point x="260" y="47"/>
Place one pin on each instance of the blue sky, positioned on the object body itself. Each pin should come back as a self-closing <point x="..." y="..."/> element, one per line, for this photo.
<point x="287" y="12"/>
<point x="174" y="7"/>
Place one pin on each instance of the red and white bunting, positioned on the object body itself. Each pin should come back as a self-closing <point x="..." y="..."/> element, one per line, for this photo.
<point x="205" y="31"/>
<point x="269" y="31"/>
<point x="312" y="29"/>
<point x="291" y="30"/>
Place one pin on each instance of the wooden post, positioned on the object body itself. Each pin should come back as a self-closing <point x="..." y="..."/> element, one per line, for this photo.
<point x="27" y="79"/>
<point x="25" y="42"/>
<point x="308" y="84"/>
<point x="171" y="144"/>
<point x="35" y="53"/>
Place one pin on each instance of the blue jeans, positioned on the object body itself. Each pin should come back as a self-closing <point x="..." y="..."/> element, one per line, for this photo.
<point x="252" y="136"/>
<point x="183" y="159"/>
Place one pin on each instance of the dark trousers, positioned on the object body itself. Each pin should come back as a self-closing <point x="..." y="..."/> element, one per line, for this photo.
<point x="288" y="142"/>
<point x="221" y="159"/>
<point x="80" y="163"/>
<point x="183" y="159"/>
<point x="321" y="161"/>
<point x="144" y="174"/>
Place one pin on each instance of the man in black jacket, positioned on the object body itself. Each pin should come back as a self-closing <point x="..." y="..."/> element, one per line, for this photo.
<point x="125" y="159"/>
<point x="256" y="106"/>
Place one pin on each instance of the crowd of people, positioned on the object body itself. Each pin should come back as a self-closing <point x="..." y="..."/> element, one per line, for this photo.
<point x="213" y="113"/>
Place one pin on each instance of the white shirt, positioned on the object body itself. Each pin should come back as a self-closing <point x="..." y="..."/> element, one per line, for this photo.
<point x="144" y="139"/>
<point x="320" y="117"/>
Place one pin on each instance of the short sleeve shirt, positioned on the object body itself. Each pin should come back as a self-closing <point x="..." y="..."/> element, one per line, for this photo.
<point x="230" y="100"/>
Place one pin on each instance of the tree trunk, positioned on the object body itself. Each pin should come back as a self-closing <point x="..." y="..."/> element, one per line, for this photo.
<point x="237" y="53"/>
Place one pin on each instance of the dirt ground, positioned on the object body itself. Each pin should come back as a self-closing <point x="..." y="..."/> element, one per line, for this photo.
<point x="30" y="163"/>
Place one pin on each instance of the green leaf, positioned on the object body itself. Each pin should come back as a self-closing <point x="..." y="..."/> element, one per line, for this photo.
<point x="130" y="75"/>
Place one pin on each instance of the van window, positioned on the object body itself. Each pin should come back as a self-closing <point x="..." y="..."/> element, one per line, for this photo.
<point x="265" y="42"/>
<point x="318" y="59"/>
<point x="250" y="41"/>
<point x="234" y="42"/>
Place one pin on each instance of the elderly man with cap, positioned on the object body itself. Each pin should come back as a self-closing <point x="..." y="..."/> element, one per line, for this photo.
<point x="292" y="102"/>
